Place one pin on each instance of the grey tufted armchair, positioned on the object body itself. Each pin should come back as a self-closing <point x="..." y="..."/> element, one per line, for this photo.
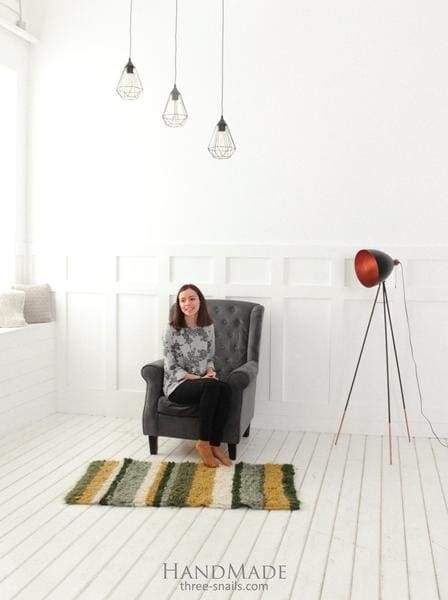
<point x="237" y="334"/>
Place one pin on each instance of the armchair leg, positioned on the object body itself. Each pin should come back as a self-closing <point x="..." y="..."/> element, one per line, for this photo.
<point x="246" y="433"/>
<point x="152" y="444"/>
<point x="232" y="451"/>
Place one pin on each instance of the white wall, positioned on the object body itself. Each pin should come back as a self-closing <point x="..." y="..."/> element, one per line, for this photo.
<point x="339" y="113"/>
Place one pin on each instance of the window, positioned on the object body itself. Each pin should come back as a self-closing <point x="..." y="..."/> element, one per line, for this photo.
<point x="8" y="173"/>
<point x="14" y="53"/>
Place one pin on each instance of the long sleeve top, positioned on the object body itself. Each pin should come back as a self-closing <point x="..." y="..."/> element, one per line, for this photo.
<point x="189" y="350"/>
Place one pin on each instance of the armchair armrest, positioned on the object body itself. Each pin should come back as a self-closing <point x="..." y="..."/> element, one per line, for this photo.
<point x="153" y="372"/>
<point x="153" y="375"/>
<point x="241" y="377"/>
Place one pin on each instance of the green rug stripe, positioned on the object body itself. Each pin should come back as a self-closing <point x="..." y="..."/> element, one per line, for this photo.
<point x="181" y="484"/>
<point x="289" y="487"/>
<point x="251" y="489"/>
<point x="110" y="492"/>
<point x="163" y="482"/>
<point x="130" y="482"/>
<point x="73" y="496"/>
<point x="169" y="484"/>
<point x="236" y="488"/>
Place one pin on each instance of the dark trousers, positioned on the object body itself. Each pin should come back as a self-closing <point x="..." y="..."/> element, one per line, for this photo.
<point x="213" y="397"/>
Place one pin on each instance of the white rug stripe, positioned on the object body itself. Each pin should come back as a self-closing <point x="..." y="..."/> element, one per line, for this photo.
<point x="222" y="489"/>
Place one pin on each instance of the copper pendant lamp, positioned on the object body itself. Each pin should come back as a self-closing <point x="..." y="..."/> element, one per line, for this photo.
<point x="372" y="268"/>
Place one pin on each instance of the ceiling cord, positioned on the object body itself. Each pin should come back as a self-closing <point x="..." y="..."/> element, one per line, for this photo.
<point x="175" y="47"/>
<point x="130" y="28"/>
<point x="222" y="58"/>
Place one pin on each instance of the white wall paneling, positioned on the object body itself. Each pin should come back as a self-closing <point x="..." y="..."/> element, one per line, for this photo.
<point x="113" y="308"/>
<point x="27" y="375"/>
<point x="137" y="337"/>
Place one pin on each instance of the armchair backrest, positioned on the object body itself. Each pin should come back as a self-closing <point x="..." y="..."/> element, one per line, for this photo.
<point x="237" y="333"/>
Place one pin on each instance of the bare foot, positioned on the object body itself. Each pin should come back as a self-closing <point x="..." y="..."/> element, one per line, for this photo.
<point x="206" y="454"/>
<point x="216" y="450"/>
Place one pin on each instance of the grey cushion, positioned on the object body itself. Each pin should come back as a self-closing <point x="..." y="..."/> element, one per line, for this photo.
<point x="167" y="407"/>
<point x="37" y="302"/>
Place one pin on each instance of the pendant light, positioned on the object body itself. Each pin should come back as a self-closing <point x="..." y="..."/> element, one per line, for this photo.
<point x="129" y="87"/>
<point x="175" y="113"/>
<point x="221" y="144"/>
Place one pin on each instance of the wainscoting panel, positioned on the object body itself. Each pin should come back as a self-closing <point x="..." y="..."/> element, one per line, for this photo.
<point x="138" y="317"/>
<point x="307" y="271"/>
<point x="306" y="351"/>
<point x="248" y="271"/>
<point x="432" y="273"/>
<point x="188" y="269"/>
<point x="86" y="341"/>
<point x="137" y="269"/>
<point x="113" y="307"/>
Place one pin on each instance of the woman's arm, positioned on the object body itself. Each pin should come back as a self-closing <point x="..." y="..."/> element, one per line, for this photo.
<point x="171" y="356"/>
<point x="211" y="353"/>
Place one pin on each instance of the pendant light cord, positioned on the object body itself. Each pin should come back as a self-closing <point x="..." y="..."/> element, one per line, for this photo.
<point x="222" y="58"/>
<point x="415" y="364"/>
<point x="175" y="46"/>
<point x="130" y="28"/>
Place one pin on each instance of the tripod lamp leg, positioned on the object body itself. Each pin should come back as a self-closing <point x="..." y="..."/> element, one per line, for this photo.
<point x="357" y="364"/>
<point x="398" y="368"/>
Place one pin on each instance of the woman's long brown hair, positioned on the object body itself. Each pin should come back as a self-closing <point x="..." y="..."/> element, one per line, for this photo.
<point x="178" y="318"/>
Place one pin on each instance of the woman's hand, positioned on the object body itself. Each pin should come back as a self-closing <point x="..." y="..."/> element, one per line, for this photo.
<point x="192" y="376"/>
<point x="210" y="374"/>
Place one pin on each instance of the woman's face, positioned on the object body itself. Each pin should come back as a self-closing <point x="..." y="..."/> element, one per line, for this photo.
<point x="189" y="302"/>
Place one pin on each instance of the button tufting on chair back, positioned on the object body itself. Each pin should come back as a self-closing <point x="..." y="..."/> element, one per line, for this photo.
<point x="231" y="319"/>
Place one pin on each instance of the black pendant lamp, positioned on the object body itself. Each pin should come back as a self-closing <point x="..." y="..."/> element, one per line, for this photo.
<point x="175" y="113"/>
<point x="221" y="144"/>
<point x="129" y="87"/>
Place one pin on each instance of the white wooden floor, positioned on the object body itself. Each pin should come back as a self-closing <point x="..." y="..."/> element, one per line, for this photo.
<point x="365" y="530"/>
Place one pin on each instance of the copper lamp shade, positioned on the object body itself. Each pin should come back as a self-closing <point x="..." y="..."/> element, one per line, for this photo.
<point x="373" y="266"/>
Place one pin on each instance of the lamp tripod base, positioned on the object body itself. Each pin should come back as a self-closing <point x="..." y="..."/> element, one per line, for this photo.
<point x="387" y="321"/>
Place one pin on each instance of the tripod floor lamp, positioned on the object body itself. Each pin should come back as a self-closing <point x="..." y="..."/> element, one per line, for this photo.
<point x="372" y="268"/>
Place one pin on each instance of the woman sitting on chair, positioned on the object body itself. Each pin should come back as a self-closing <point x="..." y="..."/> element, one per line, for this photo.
<point x="189" y="371"/>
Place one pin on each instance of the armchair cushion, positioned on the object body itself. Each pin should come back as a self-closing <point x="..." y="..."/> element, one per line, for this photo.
<point x="167" y="407"/>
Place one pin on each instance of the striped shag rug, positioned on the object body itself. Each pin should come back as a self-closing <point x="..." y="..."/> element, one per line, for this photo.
<point x="131" y="482"/>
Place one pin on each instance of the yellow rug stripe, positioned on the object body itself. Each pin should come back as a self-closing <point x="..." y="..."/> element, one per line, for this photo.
<point x="273" y="488"/>
<point x="98" y="481"/>
<point x="201" y="490"/>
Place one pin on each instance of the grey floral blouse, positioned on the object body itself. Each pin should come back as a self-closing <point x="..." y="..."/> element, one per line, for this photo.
<point x="189" y="350"/>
